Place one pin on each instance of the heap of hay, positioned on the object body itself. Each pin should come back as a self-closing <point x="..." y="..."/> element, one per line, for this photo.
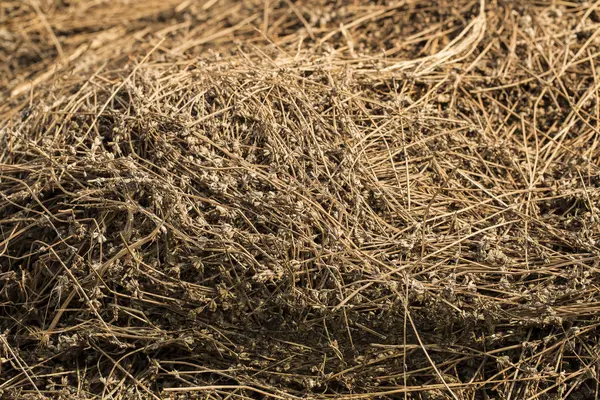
<point x="299" y="199"/>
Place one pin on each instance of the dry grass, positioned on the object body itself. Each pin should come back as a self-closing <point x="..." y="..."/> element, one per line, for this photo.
<point x="299" y="199"/>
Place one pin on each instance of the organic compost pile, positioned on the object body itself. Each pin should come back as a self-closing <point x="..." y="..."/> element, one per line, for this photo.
<point x="299" y="199"/>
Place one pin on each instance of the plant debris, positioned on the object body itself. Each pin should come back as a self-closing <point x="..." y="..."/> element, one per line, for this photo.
<point x="299" y="199"/>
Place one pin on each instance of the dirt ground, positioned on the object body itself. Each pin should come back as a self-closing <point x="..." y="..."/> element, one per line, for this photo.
<point x="280" y="199"/>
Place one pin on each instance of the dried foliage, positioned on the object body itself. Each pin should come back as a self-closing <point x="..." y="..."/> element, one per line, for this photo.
<point x="299" y="199"/>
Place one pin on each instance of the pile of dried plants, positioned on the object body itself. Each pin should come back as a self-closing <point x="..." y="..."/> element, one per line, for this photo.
<point x="299" y="199"/>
